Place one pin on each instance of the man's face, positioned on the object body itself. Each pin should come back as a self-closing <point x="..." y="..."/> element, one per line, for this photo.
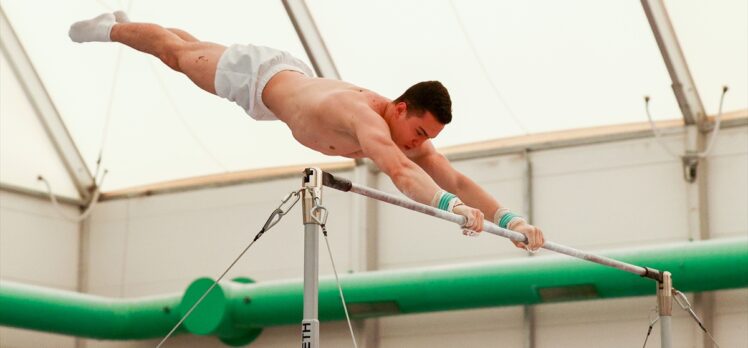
<point x="410" y="131"/>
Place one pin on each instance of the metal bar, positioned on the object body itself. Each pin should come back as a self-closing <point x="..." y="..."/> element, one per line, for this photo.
<point x="529" y="310"/>
<point x="366" y="243"/>
<point x="683" y="85"/>
<point x="310" y="37"/>
<point x="39" y="195"/>
<point x="45" y="109"/>
<point x="310" y="323"/>
<point x="697" y="204"/>
<point x="666" y="328"/>
<point x="311" y="198"/>
<point x="345" y="185"/>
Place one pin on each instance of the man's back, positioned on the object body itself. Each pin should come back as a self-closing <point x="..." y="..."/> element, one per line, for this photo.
<point x="322" y="113"/>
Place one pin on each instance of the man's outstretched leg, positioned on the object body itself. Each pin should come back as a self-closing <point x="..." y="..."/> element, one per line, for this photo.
<point x="198" y="60"/>
<point x="121" y="17"/>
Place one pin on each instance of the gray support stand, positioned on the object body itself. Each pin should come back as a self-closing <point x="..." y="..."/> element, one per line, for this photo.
<point x="312" y="187"/>
<point x="665" y="306"/>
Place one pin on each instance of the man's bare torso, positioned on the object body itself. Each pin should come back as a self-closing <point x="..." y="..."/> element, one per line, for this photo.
<point x="321" y="113"/>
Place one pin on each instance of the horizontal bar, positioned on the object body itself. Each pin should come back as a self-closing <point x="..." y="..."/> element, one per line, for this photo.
<point x="345" y="185"/>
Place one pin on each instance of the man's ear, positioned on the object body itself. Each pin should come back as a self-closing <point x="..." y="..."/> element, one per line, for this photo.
<point x="401" y="107"/>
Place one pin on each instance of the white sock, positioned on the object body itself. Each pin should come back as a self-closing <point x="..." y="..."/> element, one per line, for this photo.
<point x="121" y="17"/>
<point x="94" y="29"/>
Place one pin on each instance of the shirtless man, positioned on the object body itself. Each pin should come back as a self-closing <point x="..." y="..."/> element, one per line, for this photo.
<point x="330" y="116"/>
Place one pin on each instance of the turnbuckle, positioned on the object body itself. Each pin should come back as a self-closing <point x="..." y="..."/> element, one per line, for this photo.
<point x="283" y="209"/>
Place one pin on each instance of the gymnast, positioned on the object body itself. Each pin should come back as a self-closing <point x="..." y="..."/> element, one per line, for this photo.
<point x="330" y="116"/>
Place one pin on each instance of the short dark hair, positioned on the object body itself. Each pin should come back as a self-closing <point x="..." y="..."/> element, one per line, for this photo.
<point x="428" y="96"/>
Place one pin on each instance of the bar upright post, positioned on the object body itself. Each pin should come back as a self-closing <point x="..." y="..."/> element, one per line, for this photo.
<point x="665" y="308"/>
<point x="311" y="198"/>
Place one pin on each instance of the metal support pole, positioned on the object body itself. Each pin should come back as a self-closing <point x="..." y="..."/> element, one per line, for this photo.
<point x="665" y="307"/>
<point x="311" y="197"/>
<point x="365" y="243"/>
<point x="529" y="310"/>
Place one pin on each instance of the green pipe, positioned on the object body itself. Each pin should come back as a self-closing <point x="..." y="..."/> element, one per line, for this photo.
<point x="236" y="312"/>
<point x="696" y="266"/>
<point x="71" y="313"/>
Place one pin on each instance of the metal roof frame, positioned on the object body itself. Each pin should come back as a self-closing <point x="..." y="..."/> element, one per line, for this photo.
<point x="310" y="37"/>
<point x="42" y="103"/>
<point x="683" y="86"/>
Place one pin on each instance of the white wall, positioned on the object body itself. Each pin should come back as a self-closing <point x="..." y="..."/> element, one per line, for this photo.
<point x="38" y="247"/>
<point x="593" y="197"/>
<point x="728" y="184"/>
<point x="160" y="244"/>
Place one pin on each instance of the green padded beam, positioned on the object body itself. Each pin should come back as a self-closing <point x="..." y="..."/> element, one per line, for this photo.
<point x="237" y="311"/>
<point x="72" y="313"/>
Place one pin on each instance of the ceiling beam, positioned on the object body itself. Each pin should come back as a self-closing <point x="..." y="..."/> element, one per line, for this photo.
<point x="683" y="85"/>
<point x="310" y="37"/>
<point x="45" y="109"/>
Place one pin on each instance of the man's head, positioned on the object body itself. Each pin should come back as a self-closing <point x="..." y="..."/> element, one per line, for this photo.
<point x="420" y="113"/>
<point x="429" y="96"/>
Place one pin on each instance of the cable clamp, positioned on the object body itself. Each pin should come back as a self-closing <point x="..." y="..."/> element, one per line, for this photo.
<point x="319" y="212"/>
<point x="283" y="209"/>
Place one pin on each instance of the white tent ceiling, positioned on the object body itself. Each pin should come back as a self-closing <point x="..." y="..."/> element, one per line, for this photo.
<point x="512" y="68"/>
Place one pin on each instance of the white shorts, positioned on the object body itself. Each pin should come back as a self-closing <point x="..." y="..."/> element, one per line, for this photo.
<point x="244" y="70"/>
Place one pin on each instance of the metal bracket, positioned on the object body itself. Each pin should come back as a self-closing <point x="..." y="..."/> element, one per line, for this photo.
<point x="665" y="308"/>
<point x="690" y="167"/>
<point x="311" y="187"/>
<point x="665" y="294"/>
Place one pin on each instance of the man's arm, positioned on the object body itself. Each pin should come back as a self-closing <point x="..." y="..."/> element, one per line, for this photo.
<point x="439" y="168"/>
<point x="376" y="143"/>
<point x="442" y="172"/>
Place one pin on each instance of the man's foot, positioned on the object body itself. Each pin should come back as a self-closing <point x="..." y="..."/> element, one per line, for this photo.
<point x="94" y="29"/>
<point x="121" y="17"/>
